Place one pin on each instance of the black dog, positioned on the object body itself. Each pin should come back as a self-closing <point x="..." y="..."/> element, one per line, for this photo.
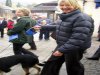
<point x="27" y="61"/>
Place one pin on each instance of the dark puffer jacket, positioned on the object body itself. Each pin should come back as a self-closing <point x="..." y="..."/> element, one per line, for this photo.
<point x="74" y="32"/>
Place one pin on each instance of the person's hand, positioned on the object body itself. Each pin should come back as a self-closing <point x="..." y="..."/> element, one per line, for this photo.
<point x="37" y="28"/>
<point x="57" y="53"/>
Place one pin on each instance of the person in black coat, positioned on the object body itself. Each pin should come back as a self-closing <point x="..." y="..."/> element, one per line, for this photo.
<point x="96" y="55"/>
<point x="44" y="33"/>
<point x="3" y="24"/>
<point x="73" y="37"/>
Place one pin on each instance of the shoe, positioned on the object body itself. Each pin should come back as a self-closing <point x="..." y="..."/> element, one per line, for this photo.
<point x="96" y="55"/>
<point x="93" y="58"/>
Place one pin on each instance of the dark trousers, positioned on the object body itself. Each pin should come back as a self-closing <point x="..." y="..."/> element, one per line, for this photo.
<point x="17" y="48"/>
<point x="45" y="33"/>
<point x="72" y="60"/>
<point x="2" y="33"/>
<point x="32" y="44"/>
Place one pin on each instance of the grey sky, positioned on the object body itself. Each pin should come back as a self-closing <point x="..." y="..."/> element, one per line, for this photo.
<point x="25" y="2"/>
<point x="32" y="1"/>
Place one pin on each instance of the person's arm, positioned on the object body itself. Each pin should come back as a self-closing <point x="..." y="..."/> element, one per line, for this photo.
<point x="45" y="27"/>
<point x="49" y="27"/>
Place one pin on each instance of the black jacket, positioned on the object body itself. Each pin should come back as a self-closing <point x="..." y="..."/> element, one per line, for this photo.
<point x="3" y="24"/>
<point x="74" y="32"/>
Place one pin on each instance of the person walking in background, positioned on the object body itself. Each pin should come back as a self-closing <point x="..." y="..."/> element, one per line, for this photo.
<point x="96" y="55"/>
<point x="44" y="21"/>
<point x="3" y="24"/>
<point x="73" y="36"/>
<point x="43" y="32"/>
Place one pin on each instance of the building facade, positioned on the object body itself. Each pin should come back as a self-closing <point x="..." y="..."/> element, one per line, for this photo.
<point x="6" y="12"/>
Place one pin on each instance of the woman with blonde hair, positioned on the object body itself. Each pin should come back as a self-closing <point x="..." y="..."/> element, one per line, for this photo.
<point x="23" y="24"/>
<point x="73" y="37"/>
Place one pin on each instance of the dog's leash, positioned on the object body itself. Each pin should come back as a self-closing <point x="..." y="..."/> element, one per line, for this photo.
<point x="5" y="48"/>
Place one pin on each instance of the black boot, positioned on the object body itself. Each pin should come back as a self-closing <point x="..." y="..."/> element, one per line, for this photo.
<point x="96" y="55"/>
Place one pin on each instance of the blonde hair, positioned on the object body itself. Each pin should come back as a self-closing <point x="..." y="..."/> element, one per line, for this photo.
<point x="25" y="11"/>
<point x="73" y="3"/>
